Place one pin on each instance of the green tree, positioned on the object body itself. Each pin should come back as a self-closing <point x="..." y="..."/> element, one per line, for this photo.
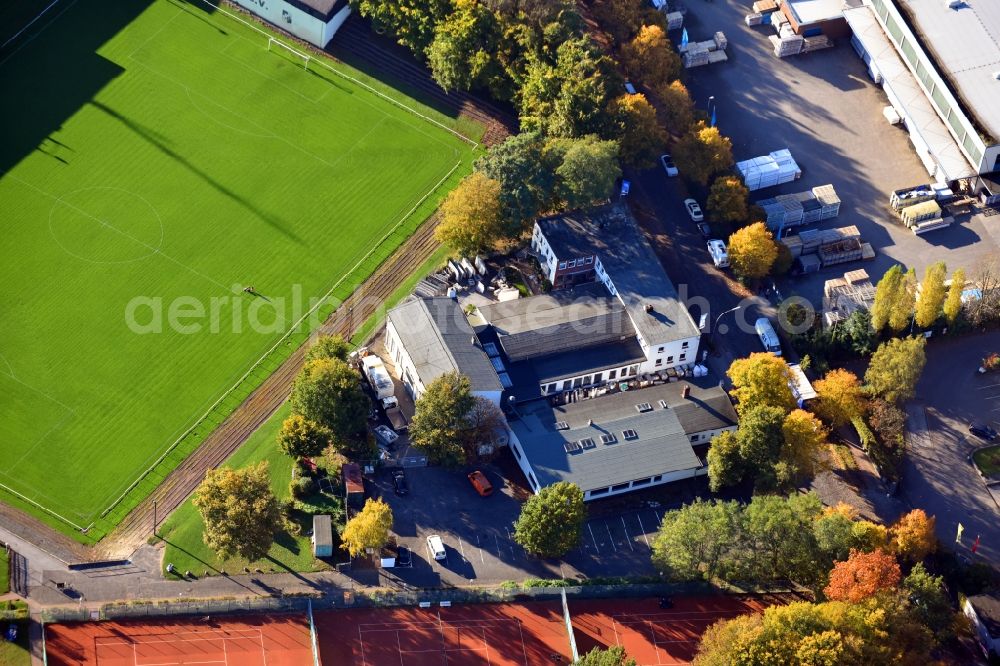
<point x="701" y="541"/>
<point x="752" y="251"/>
<point x="727" y="199"/>
<point x="702" y="153"/>
<point x="329" y="346"/>
<point x="369" y="529"/>
<point x="471" y="217"/>
<point x="650" y="59"/>
<point x="676" y="107"/>
<point x="761" y="440"/>
<point x="642" y="137"/>
<point x="780" y="540"/>
<point x="587" y="171"/>
<point x="930" y="602"/>
<point x="461" y="56"/>
<point x="239" y="511"/>
<point x="725" y="465"/>
<point x="551" y="522"/>
<point x="893" y="301"/>
<point x="932" y="295"/>
<point x="612" y="656"/>
<point x="761" y="379"/>
<point x="953" y="303"/>
<point x="439" y="422"/>
<point x="857" y="333"/>
<point x="841" y="397"/>
<point x="895" y="368"/>
<point x="328" y="392"/>
<point x="526" y="182"/>
<point x="299" y="437"/>
<point x="411" y="21"/>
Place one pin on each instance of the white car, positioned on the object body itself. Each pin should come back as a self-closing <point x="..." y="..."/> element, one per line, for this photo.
<point x="385" y="434"/>
<point x="720" y="256"/>
<point x="668" y="165"/>
<point x="694" y="210"/>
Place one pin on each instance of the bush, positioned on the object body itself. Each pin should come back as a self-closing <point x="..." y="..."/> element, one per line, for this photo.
<point x="301" y="486"/>
<point x="301" y="469"/>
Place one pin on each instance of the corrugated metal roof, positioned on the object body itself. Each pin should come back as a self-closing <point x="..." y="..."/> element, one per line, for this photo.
<point x="439" y="339"/>
<point x="965" y="44"/>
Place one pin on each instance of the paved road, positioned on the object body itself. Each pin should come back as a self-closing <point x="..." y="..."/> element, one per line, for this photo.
<point x="825" y="109"/>
<point x="938" y="476"/>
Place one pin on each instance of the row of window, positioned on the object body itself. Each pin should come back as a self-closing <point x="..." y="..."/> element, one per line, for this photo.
<point x="625" y="486"/>
<point x="573" y="263"/>
<point x="590" y="380"/>
<point x="959" y="123"/>
<point x="670" y="359"/>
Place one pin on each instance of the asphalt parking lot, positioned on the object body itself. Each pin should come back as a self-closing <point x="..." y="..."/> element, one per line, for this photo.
<point x="825" y="109"/>
<point x="478" y="534"/>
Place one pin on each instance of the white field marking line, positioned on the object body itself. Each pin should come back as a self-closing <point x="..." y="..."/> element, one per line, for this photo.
<point x="610" y="536"/>
<point x="399" y="649"/>
<point x="272" y="78"/>
<point x="643" y="528"/>
<point x="346" y="76"/>
<point x="511" y="539"/>
<point x="320" y="302"/>
<point x="152" y="36"/>
<point x="225" y="653"/>
<point x="263" y="653"/>
<point x="524" y="648"/>
<point x="175" y="663"/>
<point x="628" y="537"/>
<point x="105" y="223"/>
<point x="497" y="540"/>
<point x="458" y="624"/>
<point x="58" y="424"/>
<point x="176" y="638"/>
<point x="660" y="516"/>
<point x="663" y="617"/>
<point x="7" y="363"/>
<point x="38" y="34"/>
<point x="361" y="642"/>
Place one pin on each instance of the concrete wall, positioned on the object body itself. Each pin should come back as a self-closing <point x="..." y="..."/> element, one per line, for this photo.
<point x="401" y="360"/>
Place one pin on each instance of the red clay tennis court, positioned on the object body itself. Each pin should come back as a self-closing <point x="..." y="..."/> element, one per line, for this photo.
<point x="277" y="640"/>
<point x="652" y="635"/>
<point x="488" y="634"/>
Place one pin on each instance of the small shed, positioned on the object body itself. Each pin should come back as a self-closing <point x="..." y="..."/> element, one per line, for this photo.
<point x="801" y="387"/>
<point x="989" y="189"/>
<point x="354" y="485"/>
<point x="322" y="538"/>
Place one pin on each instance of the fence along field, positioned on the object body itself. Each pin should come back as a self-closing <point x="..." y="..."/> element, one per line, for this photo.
<point x="161" y="150"/>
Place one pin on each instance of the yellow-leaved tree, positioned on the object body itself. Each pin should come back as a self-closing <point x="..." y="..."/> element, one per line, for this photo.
<point x="841" y="397"/>
<point x="369" y="529"/>
<point x="752" y="251"/>
<point x="932" y="295"/>
<point x="761" y="380"/>
<point x="471" y="219"/>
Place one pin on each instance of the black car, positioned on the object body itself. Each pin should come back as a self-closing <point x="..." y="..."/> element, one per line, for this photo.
<point x="403" y="557"/>
<point x="399" y="485"/>
<point x="983" y="432"/>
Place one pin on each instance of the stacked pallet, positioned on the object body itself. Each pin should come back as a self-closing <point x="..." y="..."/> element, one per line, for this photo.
<point x="764" y="6"/>
<point x="769" y="170"/>
<point x="908" y="196"/>
<point x="925" y="210"/>
<point x="755" y="18"/>
<point x="789" y="210"/>
<point x="787" y="45"/>
<point x="675" y="20"/>
<point x="720" y="41"/>
<point x="816" y="43"/>
<point x="695" y="56"/>
<point x="717" y="56"/>
<point x="831" y="246"/>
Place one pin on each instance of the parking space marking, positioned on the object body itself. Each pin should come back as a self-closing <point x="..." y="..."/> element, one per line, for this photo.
<point x="497" y="540"/>
<point x="628" y="537"/>
<point x="591" y="530"/>
<point x="610" y="536"/>
<point x="643" y="531"/>
<point x="511" y="539"/>
<point x="480" y="548"/>
<point x="461" y="547"/>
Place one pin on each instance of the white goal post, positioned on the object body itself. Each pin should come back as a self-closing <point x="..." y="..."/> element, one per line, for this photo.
<point x="277" y="42"/>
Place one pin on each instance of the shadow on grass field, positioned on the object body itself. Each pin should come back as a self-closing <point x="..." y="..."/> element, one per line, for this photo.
<point x="182" y="531"/>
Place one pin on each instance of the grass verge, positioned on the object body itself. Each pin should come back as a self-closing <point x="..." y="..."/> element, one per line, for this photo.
<point x="988" y="460"/>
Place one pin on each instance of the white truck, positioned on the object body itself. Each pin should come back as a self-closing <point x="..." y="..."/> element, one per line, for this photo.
<point x="378" y="377"/>
<point x="720" y="257"/>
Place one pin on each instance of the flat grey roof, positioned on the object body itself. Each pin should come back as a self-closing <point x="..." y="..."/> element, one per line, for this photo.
<point x="662" y="442"/>
<point x="987" y="607"/>
<point x="965" y="45"/>
<point x="564" y="319"/>
<point x="635" y="270"/>
<point x="439" y="339"/>
<point x="322" y="530"/>
<point x="321" y="9"/>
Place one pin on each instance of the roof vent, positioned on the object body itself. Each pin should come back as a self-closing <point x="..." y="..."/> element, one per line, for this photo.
<point x="648" y="307"/>
<point x="685" y="391"/>
<point x="664" y="405"/>
<point x="590" y="422"/>
<point x="608" y="438"/>
<point x="630" y="434"/>
<point x="644" y="407"/>
<point x="562" y="425"/>
<point x="587" y="443"/>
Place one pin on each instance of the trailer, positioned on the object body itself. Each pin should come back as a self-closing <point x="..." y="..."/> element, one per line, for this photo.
<point x="396" y="418"/>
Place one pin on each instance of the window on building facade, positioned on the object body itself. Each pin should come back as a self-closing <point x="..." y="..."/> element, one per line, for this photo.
<point x="670" y="359"/>
<point x="599" y="377"/>
<point x="684" y="345"/>
<point x="571" y="263"/>
<point x="640" y="482"/>
<point x="517" y="452"/>
<point x="695" y="438"/>
<point x="562" y="265"/>
<point x="599" y="491"/>
<point x="658" y="477"/>
<point x="620" y="486"/>
<point x="683" y="357"/>
<point x="612" y="374"/>
<point x="660" y="350"/>
<point x="590" y="260"/>
<point x="659" y="362"/>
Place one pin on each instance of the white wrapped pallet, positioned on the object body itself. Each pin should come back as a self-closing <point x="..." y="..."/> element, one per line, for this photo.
<point x="755" y="18"/>
<point x="675" y="20"/>
<point x="717" y="56"/>
<point x="720" y="40"/>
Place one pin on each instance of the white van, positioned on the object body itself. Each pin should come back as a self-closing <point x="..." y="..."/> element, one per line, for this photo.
<point x="436" y="547"/>
<point x="767" y="336"/>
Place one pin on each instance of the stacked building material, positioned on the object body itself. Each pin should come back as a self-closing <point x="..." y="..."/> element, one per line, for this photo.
<point x="925" y="210"/>
<point x="844" y="296"/>
<point x="675" y="20"/>
<point x="717" y="56"/>
<point x="755" y="18"/>
<point x="769" y="170"/>
<point x="827" y="197"/>
<point x="720" y="41"/>
<point x="765" y="6"/>
<point x="816" y="43"/>
<point x="908" y="196"/>
<point x="831" y="246"/>
<point x="778" y="20"/>
<point x="848" y="249"/>
<point x="788" y="45"/>
<point x="695" y="56"/>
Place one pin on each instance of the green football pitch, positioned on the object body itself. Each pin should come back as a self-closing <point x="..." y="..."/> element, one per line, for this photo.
<point x="155" y="159"/>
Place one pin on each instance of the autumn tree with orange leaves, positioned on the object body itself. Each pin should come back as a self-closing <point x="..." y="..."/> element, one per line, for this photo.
<point x="863" y="575"/>
<point x="912" y="537"/>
